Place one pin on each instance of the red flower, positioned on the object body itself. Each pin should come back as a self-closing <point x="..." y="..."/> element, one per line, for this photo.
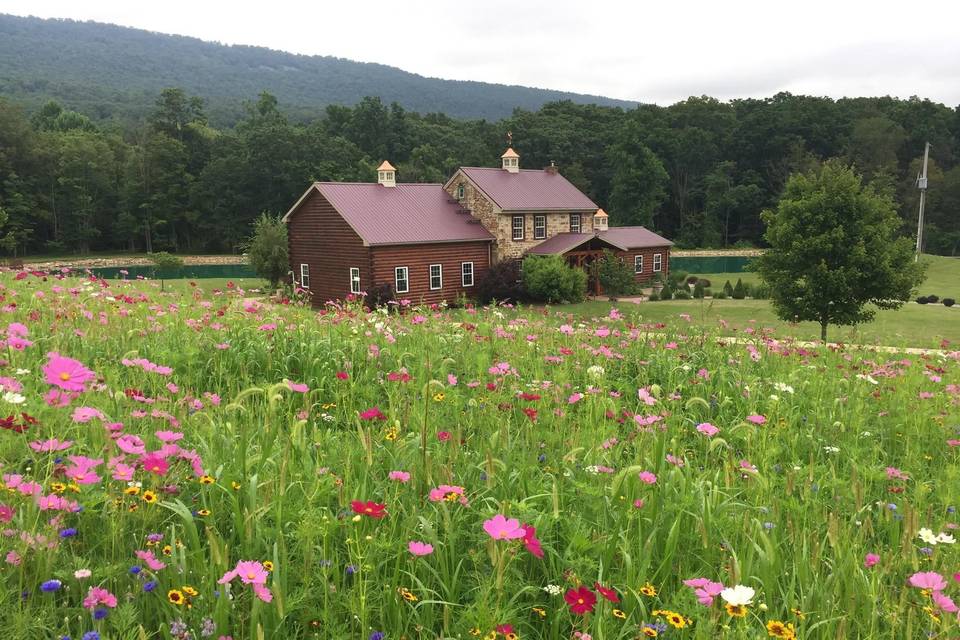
<point x="443" y="436"/>
<point x="581" y="600"/>
<point x="609" y="594"/>
<point x="369" y="508"/>
<point x="342" y="375"/>
<point x="530" y="540"/>
<point x="529" y="396"/>
<point x="531" y="413"/>
<point x="373" y="413"/>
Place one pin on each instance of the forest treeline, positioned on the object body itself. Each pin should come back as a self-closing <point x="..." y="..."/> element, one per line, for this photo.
<point x="699" y="171"/>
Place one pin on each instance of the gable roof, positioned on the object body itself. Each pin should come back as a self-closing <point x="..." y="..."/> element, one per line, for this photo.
<point x="563" y="242"/>
<point x="528" y="190"/>
<point x="409" y="213"/>
<point x="622" y="238"/>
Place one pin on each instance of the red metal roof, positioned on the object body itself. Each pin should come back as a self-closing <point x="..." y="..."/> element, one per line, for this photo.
<point x="529" y="189"/>
<point x="409" y="213"/>
<point x="634" y="237"/>
<point x="623" y="238"/>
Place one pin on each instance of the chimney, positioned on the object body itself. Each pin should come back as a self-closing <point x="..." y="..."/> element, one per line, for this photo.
<point x="600" y="219"/>
<point x="511" y="160"/>
<point x="552" y="169"/>
<point x="386" y="175"/>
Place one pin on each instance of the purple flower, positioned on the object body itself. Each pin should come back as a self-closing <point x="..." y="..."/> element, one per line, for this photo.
<point x="149" y="586"/>
<point x="50" y="586"/>
<point x="69" y="533"/>
<point x="99" y="613"/>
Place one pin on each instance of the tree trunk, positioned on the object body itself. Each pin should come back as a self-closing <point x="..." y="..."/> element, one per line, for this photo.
<point x="823" y="329"/>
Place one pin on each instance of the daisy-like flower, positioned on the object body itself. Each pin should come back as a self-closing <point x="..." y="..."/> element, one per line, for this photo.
<point x="739" y="595"/>
<point x="66" y="373"/>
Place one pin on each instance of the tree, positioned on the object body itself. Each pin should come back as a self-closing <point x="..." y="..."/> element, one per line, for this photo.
<point x="639" y="182"/>
<point x="835" y="248"/>
<point x="616" y="277"/>
<point x="267" y="248"/>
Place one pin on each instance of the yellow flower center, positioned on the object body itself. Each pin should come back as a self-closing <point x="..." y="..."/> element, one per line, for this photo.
<point x="64" y="376"/>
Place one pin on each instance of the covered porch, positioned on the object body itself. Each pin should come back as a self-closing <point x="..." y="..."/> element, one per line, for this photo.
<point x="580" y="250"/>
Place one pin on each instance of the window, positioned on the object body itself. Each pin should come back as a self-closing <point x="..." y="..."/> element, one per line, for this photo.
<point x="638" y="264"/>
<point x="539" y="227"/>
<point x="466" y="274"/>
<point x="657" y="262"/>
<point x="304" y="276"/>
<point x="436" y="277"/>
<point x="354" y="280"/>
<point x="401" y="276"/>
<point x="574" y="223"/>
<point x="460" y="190"/>
<point x="518" y="227"/>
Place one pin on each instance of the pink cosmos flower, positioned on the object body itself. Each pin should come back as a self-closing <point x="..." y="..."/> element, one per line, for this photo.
<point x="48" y="446"/>
<point x="500" y="528"/>
<point x="155" y="464"/>
<point x="443" y="436"/>
<point x="447" y="492"/>
<point x="645" y="397"/>
<point x="99" y="595"/>
<point x="705" y="590"/>
<point x="944" y="602"/>
<point x="451" y="380"/>
<point x="132" y="444"/>
<point x="17" y="329"/>
<point x="574" y="398"/>
<point x="707" y="429"/>
<point x="6" y="513"/>
<point x="66" y="373"/>
<point x="648" y="477"/>
<point x="252" y="573"/>
<point x="297" y="386"/>
<point x="399" y="476"/>
<point x="57" y="398"/>
<point x="757" y="419"/>
<point x="895" y="474"/>
<point x="418" y="548"/>
<point x="86" y="414"/>
<point x="928" y="580"/>
<point x="123" y="472"/>
<point x="870" y="560"/>
<point x="168" y="436"/>
<point x="151" y="560"/>
<point x="530" y="540"/>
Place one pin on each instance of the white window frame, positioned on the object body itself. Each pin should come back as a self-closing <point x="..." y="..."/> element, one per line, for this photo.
<point x="638" y="264"/>
<point x="461" y="190"/>
<point x="439" y="276"/>
<point x="355" y="279"/>
<point x="397" y="279"/>
<point x="539" y="232"/>
<point x="521" y="228"/>
<point x="657" y="262"/>
<point x="304" y="275"/>
<point x="464" y="274"/>
<point x="579" y="225"/>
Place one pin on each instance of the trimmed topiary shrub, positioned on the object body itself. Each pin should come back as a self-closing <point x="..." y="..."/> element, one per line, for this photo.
<point x="698" y="290"/>
<point x="501" y="283"/>
<point x="727" y="288"/>
<point x="692" y="280"/>
<point x="706" y="283"/>
<point x="551" y="279"/>
<point x="949" y="302"/>
<point x="922" y="300"/>
<point x="933" y="298"/>
<point x="721" y="295"/>
<point x="681" y="294"/>
<point x="739" y="291"/>
<point x="653" y="297"/>
<point x="666" y="294"/>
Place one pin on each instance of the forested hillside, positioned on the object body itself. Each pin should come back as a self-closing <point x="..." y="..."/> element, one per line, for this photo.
<point x="699" y="171"/>
<point x="112" y="72"/>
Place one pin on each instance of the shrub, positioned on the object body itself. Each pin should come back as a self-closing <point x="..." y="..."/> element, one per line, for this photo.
<point x="267" y="248"/>
<point x="760" y="291"/>
<point x="380" y="296"/>
<point x="681" y="294"/>
<point x="922" y="300"/>
<point x="551" y="279"/>
<point x="739" y="291"/>
<point x="501" y="282"/>
<point x="932" y="299"/>
<point x="653" y="297"/>
<point x="698" y="290"/>
<point x="706" y="283"/>
<point x="721" y="295"/>
<point x="727" y="288"/>
<point x="676" y="277"/>
<point x="949" y="302"/>
<point x="616" y="277"/>
<point x="692" y="280"/>
<point x="666" y="294"/>
<point x="707" y="293"/>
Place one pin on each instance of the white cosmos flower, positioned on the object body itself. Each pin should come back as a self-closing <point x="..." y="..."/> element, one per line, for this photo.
<point x="596" y="371"/>
<point x="22" y="372"/>
<point x="14" y="398"/>
<point x="945" y="538"/>
<point x="927" y="536"/>
<point x="782" y="388"/>
<point x="738" y="596"/>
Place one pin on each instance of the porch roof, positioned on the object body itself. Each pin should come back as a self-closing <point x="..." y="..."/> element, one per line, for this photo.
<point x="564" y="242"/>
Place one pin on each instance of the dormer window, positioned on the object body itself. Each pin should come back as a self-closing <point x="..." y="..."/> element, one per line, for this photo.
<point x="386" y="175"/>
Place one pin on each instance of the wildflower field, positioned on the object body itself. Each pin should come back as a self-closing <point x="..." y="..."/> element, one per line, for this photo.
<point x="214" y="466"/>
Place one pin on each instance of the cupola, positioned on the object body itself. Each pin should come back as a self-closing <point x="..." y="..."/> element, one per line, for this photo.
<point x="387" y="175"/>
<point x="511" y="160"/>
<point x="600" y="219"/>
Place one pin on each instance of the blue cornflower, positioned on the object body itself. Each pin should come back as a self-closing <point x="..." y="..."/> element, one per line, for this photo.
<point x="377" y="635"/>
<point x="951" y="509"/>
<point x="91" y="635"/>
<point x="542" y="457"/>
<point x="135" y="570"/>
<point x="351" y="569"/>
<point x="69" y="533"/>
<point x="927" y="551"/>
<point x="51" y="585"/>
<point x="892" y="507"/>
<point x="100" y="613"/>
<point x="149" y="586"/>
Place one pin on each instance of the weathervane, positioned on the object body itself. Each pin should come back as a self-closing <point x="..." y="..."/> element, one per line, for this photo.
<point x="509" y="138"/>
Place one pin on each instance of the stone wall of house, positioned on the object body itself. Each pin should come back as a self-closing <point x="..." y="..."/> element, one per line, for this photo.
<point x="500" y="223"/>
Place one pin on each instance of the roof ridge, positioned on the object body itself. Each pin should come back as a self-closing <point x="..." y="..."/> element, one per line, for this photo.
<point x="374" y="184"/>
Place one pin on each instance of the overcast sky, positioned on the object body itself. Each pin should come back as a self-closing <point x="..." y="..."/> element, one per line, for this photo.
<point x="631" y="49"/>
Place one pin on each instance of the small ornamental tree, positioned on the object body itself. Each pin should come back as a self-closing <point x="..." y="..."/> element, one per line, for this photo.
<point x="167" y="263"/>
<point x="834" y="249"/>
<point x="616" y="276"/>
<point x="267" y="248"/>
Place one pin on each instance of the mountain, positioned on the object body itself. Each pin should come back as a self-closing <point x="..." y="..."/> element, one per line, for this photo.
<point x="113" y="72"/>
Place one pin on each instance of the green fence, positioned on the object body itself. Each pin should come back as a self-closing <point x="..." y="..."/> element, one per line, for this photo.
<point x="192" y="271"/>
<point x="710" y="264"/>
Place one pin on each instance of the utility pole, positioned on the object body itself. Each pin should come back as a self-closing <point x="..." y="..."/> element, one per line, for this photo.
<point x="922" y="185"/>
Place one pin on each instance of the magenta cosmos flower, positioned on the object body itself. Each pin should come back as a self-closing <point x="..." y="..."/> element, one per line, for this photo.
<point x="870" y="560"/>
<point x="99" y="595"/>
<point x="707" y="429"/>
<point x="757" y="419"/>
<point x="252" y="573"/>
<point x="500" y="528"/>
<point x="66" y="373"/>
<point x="648" y="477"/>
<point x="419" y="548"/>
<point x="706" y="590"/>
<point x="928" y="580"/>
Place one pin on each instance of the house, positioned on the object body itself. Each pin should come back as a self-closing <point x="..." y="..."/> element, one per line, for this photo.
<point x="432" y="242"/>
